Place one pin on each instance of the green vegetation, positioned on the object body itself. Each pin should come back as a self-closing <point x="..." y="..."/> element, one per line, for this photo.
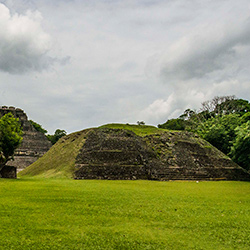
<point x="240" y="150"/>
<point x="68" y="214"/>
<point x="10" y="137"/>
<point x="59" y="133"/>
<point x="220" y="131"/>
<point x="173" y="124"/>
<point x="141" y="130"/>
<point x="59" y="161"/>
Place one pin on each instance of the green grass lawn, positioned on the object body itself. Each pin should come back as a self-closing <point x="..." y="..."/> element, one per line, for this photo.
<point x="90" y="214"/>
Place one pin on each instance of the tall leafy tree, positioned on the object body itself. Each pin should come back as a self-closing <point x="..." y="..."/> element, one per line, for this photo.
<point x="234" y="106"/>
<point x="59" y="133"/>
<point x="10" y="137"/>
<point x="240" y="151"/>
<point x="220" y="131"/>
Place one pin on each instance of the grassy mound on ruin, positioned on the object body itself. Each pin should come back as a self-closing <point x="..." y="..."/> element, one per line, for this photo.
<point x="123" y="151"/>
<point x="59" y="161"/>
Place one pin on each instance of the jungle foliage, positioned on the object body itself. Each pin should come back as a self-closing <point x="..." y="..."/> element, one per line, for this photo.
<point x="59" y="133"/>
<point x="10" y="137"/>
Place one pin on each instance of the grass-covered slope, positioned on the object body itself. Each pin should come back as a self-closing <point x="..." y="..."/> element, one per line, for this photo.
<point x="59" y="161"/>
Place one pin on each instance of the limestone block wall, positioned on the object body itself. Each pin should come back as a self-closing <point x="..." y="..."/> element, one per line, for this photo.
<point x="8" y="172"/>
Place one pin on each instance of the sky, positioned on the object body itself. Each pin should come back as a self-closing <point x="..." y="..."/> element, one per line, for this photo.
<point x="75" y="64"/>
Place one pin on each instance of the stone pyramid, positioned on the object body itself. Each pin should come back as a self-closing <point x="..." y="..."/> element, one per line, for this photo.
<point x="121" y="154"/>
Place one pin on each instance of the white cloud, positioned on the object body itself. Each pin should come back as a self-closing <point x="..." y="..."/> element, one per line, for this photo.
<point x="24" y="45"/>
<point x="161" y="110"/>
<point x="209" y="48"/>
<point x="210" y="58"/>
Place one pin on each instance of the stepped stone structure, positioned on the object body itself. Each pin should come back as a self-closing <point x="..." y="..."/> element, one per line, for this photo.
<point x="121" y="154"/>
<point x="34" y="144"/>
<point x="113" y="154"/>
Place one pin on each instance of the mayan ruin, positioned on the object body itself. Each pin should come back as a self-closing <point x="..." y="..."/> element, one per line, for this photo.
<point x="34" y="144"/>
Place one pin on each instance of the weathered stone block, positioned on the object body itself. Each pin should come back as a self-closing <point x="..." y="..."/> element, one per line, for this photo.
<point x="8" y="172"/>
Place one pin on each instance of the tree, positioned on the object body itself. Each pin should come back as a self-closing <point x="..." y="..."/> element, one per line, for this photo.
<point x="218" y="101"/>
<point x="59" y="133"/>
<point x="140" y="123"/>
<point x="240" y="151"/>
<point x="220" y="131"/>
<point x="245" y="118"/>
<point x="10" y="137"/>
<point x="188" y="113"/>
<point x="233" y="106"/>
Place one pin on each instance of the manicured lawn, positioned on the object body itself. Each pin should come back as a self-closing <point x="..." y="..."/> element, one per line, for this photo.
<point x="91" y="214"/>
